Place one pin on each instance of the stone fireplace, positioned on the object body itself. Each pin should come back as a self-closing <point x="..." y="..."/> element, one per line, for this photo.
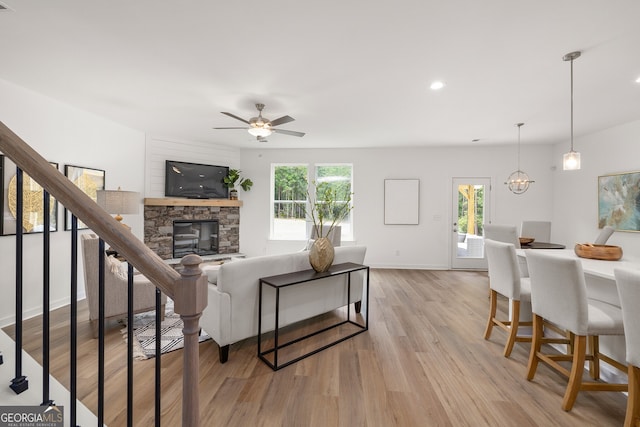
<point x="160" y="215"/>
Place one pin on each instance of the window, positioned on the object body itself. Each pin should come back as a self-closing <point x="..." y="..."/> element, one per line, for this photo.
<point x="289" y="196"/>
<point x="289" y="201"/>
<point x="338" y="177"/>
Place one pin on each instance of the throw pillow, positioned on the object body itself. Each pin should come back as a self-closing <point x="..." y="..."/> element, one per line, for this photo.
<point x="115" y="266"/>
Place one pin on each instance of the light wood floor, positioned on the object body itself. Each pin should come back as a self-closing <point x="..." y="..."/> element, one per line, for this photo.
<point x="423" y="362"/>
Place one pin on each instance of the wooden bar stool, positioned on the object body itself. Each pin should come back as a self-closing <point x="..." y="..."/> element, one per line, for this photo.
<point x="504" y="279"/>
<point x="559" y="295"/>
<point x="628" y="282"/>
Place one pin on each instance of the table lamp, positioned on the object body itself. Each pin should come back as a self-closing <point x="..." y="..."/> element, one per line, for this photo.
<point x="119" y="202"/>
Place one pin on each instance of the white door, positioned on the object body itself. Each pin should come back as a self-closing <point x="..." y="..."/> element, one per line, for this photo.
<point x="470" y="211"/>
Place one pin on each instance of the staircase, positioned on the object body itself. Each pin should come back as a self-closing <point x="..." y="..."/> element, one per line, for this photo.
<point x="30" y="383"/>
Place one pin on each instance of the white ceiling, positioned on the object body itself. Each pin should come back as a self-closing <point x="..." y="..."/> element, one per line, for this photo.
<point x="353" y="73"/>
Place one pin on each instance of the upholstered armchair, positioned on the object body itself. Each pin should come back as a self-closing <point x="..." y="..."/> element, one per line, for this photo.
<point x="115" y="284"/>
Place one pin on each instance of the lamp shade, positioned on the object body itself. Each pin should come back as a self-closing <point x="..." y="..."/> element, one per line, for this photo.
<point x="571" y="161"/>
<point x="118" y="201"/>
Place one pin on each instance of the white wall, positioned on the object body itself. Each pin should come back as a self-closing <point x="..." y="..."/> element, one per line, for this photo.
<point x="420" y="246"/>
<point x="65" y="135"/>
<point x="575" y="214"/>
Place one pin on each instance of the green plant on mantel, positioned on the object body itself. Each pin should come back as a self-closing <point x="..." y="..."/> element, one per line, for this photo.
<point x="329" y="206"/>
<point x="234" y="178"/>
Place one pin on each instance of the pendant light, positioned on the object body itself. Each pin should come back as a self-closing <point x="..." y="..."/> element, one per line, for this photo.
<point x="518" y="181"/>
<point x="571" y="160"/>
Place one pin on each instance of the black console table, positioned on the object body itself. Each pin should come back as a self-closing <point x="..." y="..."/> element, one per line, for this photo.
<point x="281" y="282"/>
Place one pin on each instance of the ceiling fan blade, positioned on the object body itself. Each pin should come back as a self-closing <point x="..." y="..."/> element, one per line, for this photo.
<point x="282" y="120"/>
<point x="235" y="117"/>
<point x="231" y="128"/>
<point x="289" y="132"/>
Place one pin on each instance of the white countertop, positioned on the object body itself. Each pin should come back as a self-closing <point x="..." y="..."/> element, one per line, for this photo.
<point x="594" y="267"/>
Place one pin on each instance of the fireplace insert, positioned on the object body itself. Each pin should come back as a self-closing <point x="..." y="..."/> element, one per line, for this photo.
<point x="195" y="237"/>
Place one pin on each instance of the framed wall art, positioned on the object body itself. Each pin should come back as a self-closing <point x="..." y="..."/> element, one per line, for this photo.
<point x="32" y="202"/>
<point x="401" y="201"/>
<point x="619" y="201"/>
<point x="89" y="181"/>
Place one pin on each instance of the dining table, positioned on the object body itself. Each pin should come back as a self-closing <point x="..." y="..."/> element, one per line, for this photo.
<point x="601" y="285"/>
<point x="543" y="245"/>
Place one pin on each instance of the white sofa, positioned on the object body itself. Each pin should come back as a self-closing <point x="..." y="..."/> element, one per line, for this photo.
<point x="232" y="312"/>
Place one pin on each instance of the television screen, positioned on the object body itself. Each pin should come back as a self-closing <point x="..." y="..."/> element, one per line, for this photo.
<point x="195" y="181"/>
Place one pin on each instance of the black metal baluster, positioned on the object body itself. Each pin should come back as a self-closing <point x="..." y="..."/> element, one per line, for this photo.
<point x="20" y="382"/>
<point x="73" y="368"/>
<point x="130" y="345"/>
<point x="101" y="310"/>
<point x="46" y="296"/>
<point x="158" y="354"/>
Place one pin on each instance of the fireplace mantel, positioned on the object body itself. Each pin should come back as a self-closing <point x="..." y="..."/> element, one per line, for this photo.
<point x="175" y="201"/>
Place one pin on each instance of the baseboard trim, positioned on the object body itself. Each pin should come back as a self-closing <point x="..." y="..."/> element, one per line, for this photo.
<point x="37" y="311"/>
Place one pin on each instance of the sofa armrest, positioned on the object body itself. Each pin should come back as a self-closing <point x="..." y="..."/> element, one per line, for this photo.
<point x="216" y="318"/>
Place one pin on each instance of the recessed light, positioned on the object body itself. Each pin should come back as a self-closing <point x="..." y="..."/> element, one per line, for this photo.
<point x="638" y="80"/>
<point x="437" y="85"/>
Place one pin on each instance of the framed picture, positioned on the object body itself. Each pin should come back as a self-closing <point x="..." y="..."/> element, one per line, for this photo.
<point x="401" y="201"/>
<point x="89" y="181"/>
<point x="32" y="202"/>
<point x="619" y="201"/>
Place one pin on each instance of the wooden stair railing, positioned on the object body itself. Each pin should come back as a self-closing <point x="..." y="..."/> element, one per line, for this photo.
<point x="188" y="289"/>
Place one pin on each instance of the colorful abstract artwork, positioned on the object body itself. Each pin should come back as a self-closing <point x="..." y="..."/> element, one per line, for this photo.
<point x="619" y="201"/>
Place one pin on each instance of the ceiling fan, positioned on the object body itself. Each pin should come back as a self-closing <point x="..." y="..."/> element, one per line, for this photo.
<point x="261" y="127"/>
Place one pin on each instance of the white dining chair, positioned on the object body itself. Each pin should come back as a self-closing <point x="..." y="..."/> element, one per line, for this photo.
<point x="604" y="235"/>
<point x="502" y="233"/>
<point x="628" y="283"/>
<point x="506" y="234"/>
<point x="559" y="296"/>
<point x="539" y="230"/>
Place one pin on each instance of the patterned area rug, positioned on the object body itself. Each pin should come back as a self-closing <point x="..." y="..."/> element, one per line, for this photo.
<point x="144" y="332"/>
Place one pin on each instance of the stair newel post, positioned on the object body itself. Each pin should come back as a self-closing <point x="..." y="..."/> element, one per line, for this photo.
<point x="190" y="299"/>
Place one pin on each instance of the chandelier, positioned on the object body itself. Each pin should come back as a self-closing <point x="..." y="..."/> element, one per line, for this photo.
<point x="518" y="182"/>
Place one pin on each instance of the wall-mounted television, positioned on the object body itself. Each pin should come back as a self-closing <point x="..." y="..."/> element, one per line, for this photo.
<point x="195" y="181"/>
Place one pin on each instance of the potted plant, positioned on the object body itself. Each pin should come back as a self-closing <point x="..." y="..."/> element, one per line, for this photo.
<point x="233" y="179"/>
<point x="329" y="206"/>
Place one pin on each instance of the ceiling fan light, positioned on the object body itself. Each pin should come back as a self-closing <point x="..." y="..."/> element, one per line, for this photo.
<point x="436" y="85"/>
<point x="571" y="161"/>
<point x="260" y="131"/>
